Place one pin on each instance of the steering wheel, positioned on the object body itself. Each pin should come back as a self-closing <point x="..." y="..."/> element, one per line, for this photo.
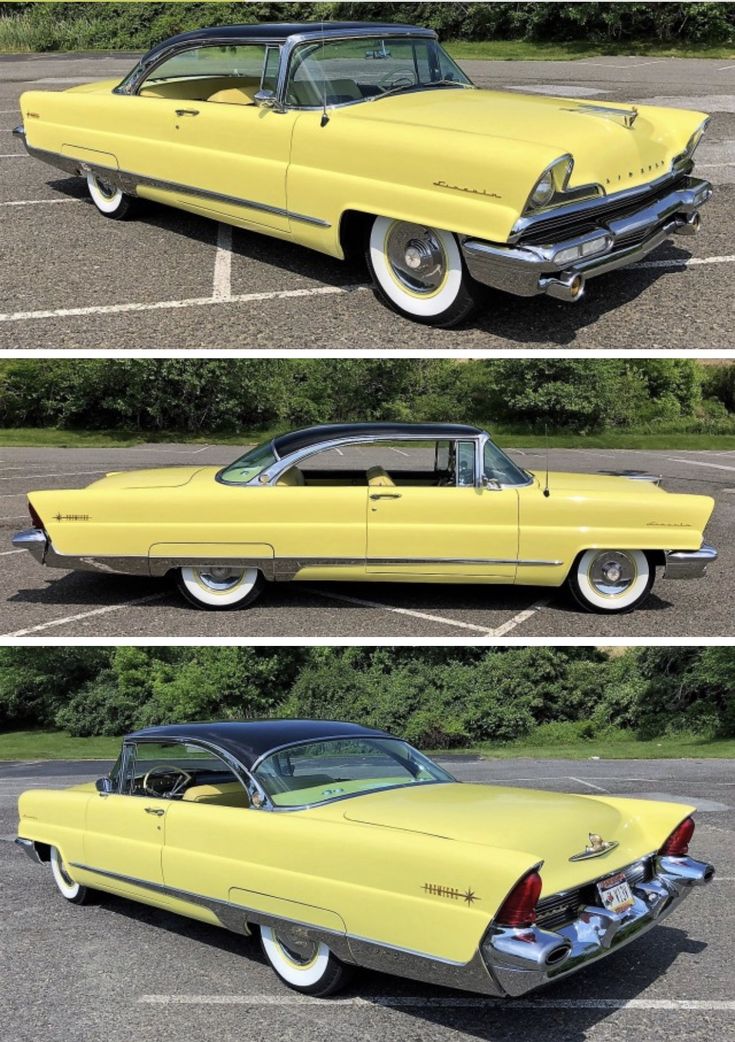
<point x="184" y="779"/>
<point x="398" y="78"/>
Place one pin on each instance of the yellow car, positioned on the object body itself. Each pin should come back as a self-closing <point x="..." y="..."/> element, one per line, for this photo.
<point x="380" y="502"/>
<point x="343" y="846"/>
<point x="350" y="137"/>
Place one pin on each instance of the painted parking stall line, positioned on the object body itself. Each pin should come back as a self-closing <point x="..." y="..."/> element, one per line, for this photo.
<point x="106" y="610"/>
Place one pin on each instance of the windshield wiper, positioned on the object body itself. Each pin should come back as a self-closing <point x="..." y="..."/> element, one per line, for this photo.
<point x="420" y="86"/>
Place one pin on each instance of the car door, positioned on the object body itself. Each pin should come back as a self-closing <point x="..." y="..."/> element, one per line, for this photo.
<point x="124" y="832"/>
<point x="446" y="530"/>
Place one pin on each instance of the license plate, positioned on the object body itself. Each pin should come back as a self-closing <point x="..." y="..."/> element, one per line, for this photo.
<point x="615" y="893"/>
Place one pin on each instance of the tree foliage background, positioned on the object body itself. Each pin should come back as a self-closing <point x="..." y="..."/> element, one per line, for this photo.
<point x="435" y="697"/>
<point x="137" y="26"/>
<point x="223" y="396"/>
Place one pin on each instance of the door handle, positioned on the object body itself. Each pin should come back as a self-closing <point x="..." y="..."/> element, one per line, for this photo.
<point x="187" y="112"/>
<point x="385" y="495"/>
<point x="155" y="810"/>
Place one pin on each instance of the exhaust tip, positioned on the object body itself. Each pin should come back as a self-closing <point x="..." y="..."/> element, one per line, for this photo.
<point x="691" y="225"/>
<point x="558" y="954"/>
<point x="566" y="287"/>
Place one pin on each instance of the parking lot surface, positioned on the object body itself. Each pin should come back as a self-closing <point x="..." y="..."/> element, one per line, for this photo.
<point x="169" y="280"/>
<point x="51" y="603"/>
<point x="121" y="971"/>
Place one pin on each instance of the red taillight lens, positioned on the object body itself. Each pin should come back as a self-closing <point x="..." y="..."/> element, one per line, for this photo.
<point x="677" y="845"/>
<point x="37" y="522"/>
<point x="519" y="907"/>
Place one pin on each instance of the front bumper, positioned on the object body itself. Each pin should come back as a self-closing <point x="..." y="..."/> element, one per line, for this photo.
<point x="689" y="564"/>
<point x="521" y="959"/>
<point x="528" y="268"/>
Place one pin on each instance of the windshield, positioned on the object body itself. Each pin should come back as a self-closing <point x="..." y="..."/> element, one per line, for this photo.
<point x="340" y="72"/>
<point x="501" y="468"/>
<point x="250" y="465"/>
<point x="332" y="769"/>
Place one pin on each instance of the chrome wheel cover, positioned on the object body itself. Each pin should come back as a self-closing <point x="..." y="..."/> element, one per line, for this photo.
<point x="301" y="953"/>
<point x="612" y="572"/>
<point x="416" y="257"/>
<point x="105" y="189"/>
<point x="220" y="579"/>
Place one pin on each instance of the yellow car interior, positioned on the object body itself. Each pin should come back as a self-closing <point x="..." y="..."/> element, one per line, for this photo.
<point x="227" y="90"/>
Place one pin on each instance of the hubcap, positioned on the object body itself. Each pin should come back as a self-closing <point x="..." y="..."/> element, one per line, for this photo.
<point x="106" y="189"/>
<point x="612" y="572"/>
<point x="220" y="579"/>
<point x="302" y="952"/>
<point x="416" y="257"/>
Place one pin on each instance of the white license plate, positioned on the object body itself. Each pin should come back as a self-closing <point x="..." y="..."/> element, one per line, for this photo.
<point x="615" y="893"/>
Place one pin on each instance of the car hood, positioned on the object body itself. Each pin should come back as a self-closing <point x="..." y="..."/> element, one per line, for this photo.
<point x="159" y="477"/>
<point x="605" y="150"/>
<point x="551" y="827"/>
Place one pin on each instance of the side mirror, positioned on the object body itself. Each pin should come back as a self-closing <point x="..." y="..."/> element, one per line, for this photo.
<point x="491" y="485"/>
<point x="103" y="785"/>
<point x="266" y="99"/>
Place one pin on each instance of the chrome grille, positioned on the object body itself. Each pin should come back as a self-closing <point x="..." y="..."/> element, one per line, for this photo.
<point x="559" y="909"/>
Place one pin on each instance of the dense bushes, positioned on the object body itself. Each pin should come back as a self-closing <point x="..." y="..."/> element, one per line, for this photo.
<point x="80" y="26"/>
<point x="219" y="396"/>
<point x="435" y="697"/>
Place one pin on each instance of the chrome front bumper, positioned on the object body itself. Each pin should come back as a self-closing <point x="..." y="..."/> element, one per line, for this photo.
<point x="689" y="564"/>
<point x="522" y="959"/>
<point x="529" y="268"/>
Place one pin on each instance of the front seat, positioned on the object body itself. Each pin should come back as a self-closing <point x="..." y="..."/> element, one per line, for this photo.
<point x="378" y="476"/>
<point x="292" y="477"/>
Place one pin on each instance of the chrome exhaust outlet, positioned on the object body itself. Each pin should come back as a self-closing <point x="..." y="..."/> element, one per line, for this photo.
<point x="691" y="225"/>
<point x="567" y="286"/>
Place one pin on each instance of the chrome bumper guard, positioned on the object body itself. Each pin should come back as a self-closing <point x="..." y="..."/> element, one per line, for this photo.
<point x="689" y="564"/>
<point x="529" y="269"/>
<point x="29" y="848"/>
<point x="34" y="540"/>
<point x="521" y="959"/>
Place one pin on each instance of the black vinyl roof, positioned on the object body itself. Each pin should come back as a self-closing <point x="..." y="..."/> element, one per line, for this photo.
<point x="279" y="32"/>
<point x="285" y="444"/>
<point x="248" y="740"/>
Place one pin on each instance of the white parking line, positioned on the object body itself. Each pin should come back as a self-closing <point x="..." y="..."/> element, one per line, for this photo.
<point x="40" y="202"/>
<point x="628" y="65"/>
<point x="222" y="286"/>
<point x="7" y="553"/>
<point x="14" y="155"/>
<point x="582" y="781"/>
<point x="689" y="262"/>
<point x="440" y="1002"/>
<point x="518" y="619"/>
<point x="404" y="611"/>
<point x="700" y="463"/>
<point x="192" y="302"/>
<point x="86" y="615"/>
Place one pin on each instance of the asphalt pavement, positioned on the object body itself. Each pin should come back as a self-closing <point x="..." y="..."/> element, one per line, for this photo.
<point x="168" y="280"/>
<point x="119" y="970"/>
<point x="54" y="604"/>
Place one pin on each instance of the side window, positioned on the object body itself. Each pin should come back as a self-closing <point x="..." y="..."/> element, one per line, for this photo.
<point x="181" y="771"/>
<point x="209" y="74"/>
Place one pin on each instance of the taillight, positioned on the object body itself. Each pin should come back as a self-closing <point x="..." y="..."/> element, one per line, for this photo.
<point x="519" y="907"/>
<point x="37" y="522"/>
<point x="677" y="845"/>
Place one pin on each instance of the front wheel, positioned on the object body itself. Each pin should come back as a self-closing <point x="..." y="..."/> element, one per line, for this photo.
<point x="110" y="201"/>
<point x="220" y="588"/>
<point x="73" y="892"/>
<point x="308" y="966"/>
<point x="611" y="581"/>
<point x="418" y="272"/>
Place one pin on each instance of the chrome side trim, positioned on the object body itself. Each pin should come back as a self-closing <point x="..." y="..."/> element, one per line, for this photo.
<point x="362" y="951"/>
<point x="689" y="564"/>
<point x="128" y="181"/>
<point x="28" y="846"/>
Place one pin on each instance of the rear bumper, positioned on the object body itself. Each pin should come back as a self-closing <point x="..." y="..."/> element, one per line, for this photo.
<point x="689" y="564"/>
<point x="522" y="959"/>
<point x="33" y="540"/>
<point x="528" y="269"/>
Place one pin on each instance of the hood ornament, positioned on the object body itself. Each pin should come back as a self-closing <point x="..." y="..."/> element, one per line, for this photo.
<point x="625" y="116"/>
<point x="595" y="848"/>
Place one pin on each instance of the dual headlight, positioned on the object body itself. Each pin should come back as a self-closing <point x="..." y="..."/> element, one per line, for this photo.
<point x="553" y="181"/>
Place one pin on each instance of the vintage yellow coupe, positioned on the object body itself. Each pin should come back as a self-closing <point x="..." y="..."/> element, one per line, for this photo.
<point x="379" y="502"/>
<point x="344" y="846"/>
<point x="352" y="137"/>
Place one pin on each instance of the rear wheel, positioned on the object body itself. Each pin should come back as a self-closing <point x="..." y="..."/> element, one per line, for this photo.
<point x="611" y="581"/>
<point x="73" y="892"/>
<point x="110" y="201"/>
<point x="220" y="588"/>
<point x="418" y="272"/>
<point x="308" y="966"/>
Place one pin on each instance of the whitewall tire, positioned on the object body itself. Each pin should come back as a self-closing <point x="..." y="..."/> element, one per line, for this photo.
<point x="611" y="581"/>
<point x="220" y="588"/>
<point x="74" y="892"/>
<point x="312" y="969"/>
<point x="109" y="200"/>
<point x="418" y="271"/>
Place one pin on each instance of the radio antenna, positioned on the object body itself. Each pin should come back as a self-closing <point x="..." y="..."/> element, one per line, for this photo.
<point x="546" y="482"/>
<point x="325" y="117"/>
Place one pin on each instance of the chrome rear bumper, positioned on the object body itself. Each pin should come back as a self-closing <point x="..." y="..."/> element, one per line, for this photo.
<point x="521" y="959"/>
<point x="689" y="564"/>
<point x="531" y="268"/>
<point x="33" y="540"/>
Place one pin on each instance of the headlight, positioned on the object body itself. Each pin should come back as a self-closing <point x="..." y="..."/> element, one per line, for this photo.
<point x="553" y="180"/>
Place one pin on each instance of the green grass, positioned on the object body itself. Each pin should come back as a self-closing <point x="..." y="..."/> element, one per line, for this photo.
<point x="55" y="745"/>
<point x="30" y="437"/>
<point x="529" y="50"/>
